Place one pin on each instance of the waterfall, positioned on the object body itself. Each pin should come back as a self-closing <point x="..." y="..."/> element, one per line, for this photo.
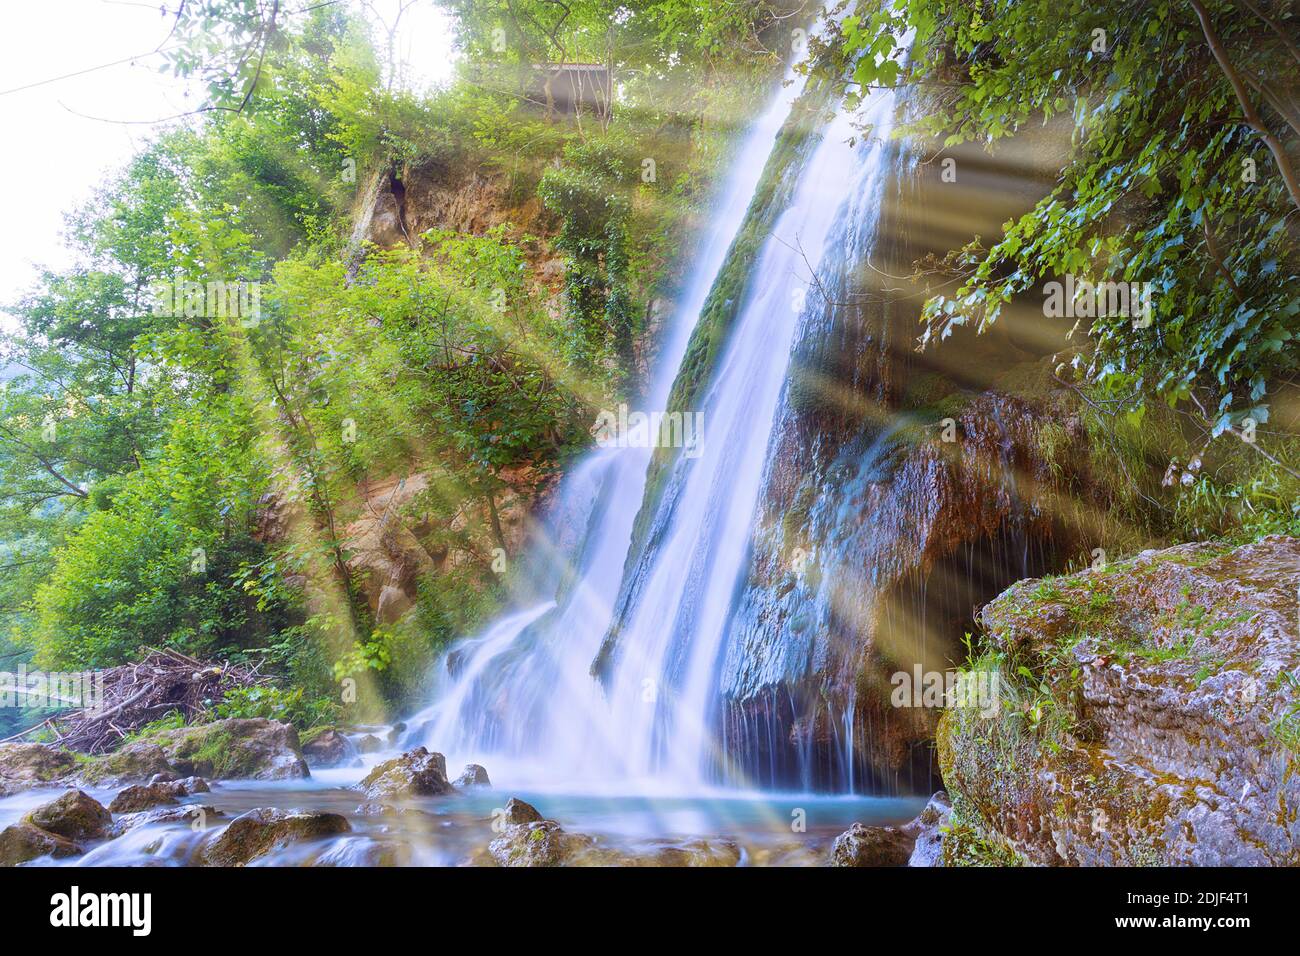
<point x="522" y="696"/>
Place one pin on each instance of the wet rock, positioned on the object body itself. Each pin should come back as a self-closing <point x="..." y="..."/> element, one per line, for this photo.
<point x="528" y="839"/>
<point x="517" y="811"/>
<point x="1170" y="716"/>
<point x="73" y="816"/>
<point x="256" y="749"/>
<point x="189" y="786"/>
<point x="473" y="776"/>
<point x="416" y="773"/>
<point x="369" y="744"/>
<point x="537" y="843"/>
<point x="928" y="831"/>
<point x="862" y="845"/>
<point x="23" y="766"/>
<point x="395" y="735"/>
<point x="258" y="832"/>
<point x="329" y="748"/>
<point x="143" y="797"/>
<point x="167" y="777"/>
<point x="193" y="814"/>
<point x="23" y="842"/>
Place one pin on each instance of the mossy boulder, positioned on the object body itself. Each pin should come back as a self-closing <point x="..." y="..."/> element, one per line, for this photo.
<point x="23" y="842"/>
<point x="416" y="773"/>
<point x="74" y="816"/>
<point x="136" y="761"/>
<point x="1149" y="715"/>
<point x="24" y="766"/>
<point x="256" y="749"/>
<point x="256" y="833"/>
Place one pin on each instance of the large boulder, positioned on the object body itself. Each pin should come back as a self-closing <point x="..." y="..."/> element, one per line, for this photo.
<point x="416" y="773"/>
<point x="24" y="766"/>
<point x="325" y="747"/>
<point x="257" y="832"/>
<point x="254" y="748"/>
<point x="23" y="842"/>
<point x="861" y="845"/>
<point x="1168" y="730"/>
<point x="74" y="816"/>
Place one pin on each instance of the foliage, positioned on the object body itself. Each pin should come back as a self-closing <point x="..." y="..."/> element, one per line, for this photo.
<point x="177" y="478"/>
<point x="276" y="703"/>
<point x="1168" y="181"/>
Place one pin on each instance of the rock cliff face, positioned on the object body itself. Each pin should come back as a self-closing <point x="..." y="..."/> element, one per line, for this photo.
<point x="872" y="564"/>
<point x="1150" y="715"/>
<point x="901" y="492"/>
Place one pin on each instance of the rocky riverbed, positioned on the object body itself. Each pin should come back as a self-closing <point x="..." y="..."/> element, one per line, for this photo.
<point x="384" y="808"/>
<point x="1148" y="713"/>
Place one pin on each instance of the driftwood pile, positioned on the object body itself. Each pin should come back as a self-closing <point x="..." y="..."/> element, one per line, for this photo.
<point x="135" y="694"/>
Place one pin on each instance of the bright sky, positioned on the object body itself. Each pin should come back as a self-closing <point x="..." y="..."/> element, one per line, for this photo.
<point x="54" y="155"/>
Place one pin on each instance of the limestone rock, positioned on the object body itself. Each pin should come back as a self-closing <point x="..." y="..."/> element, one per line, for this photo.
<point x="416" y="773"/>
<point x="473" y="776"/>
<point x="143" y="797"/>
<point x="23" y="842"/>
<point x="73" y="816"/>
<point x="862" y="845"/>
<point x="1173" y="725"/>
<point x="258" y="832"/>
<point x="928" y="831"/>
<point x="517" y="811"/>
<point x="23" y="766"/>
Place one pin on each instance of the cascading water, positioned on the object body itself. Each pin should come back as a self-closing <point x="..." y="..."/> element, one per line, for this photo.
<point x="522" y="695"/>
